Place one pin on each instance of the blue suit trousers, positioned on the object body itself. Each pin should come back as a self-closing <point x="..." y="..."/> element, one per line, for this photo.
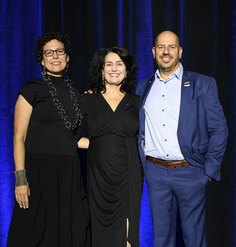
<point x="172" y="189"/>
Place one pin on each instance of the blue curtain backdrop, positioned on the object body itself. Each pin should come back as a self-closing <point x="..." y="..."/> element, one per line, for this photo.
<point x="19" y="26"/>
<point x="207" y="34"/>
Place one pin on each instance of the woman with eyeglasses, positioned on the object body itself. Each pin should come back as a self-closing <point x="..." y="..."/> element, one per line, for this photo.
<point x="51" y="205"/>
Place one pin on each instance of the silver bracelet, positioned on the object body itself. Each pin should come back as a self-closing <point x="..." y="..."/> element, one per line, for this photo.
<point x="20" y="177"/>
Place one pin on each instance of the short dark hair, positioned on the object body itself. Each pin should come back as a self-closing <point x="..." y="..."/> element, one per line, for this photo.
<point x="45" y="38"/>
<point x="98" y="62"/>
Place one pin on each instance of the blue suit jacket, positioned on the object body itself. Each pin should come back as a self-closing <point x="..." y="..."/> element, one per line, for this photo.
<point x="202" y="129"/>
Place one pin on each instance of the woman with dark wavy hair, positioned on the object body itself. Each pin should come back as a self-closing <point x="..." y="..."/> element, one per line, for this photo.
<point x="51" y="206"/>
<point x="114" y="174"/>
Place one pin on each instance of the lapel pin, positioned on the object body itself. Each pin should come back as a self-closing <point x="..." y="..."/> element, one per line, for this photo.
<point x="186" y="84"/>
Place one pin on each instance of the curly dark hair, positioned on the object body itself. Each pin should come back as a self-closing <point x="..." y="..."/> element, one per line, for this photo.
<point x="98" y="62"/>
<point x="45" y="38"/>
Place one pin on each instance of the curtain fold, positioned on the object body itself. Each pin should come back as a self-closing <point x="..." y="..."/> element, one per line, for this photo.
<point x="20" y="25"/>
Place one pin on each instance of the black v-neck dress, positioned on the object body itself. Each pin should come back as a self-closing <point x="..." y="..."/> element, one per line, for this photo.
<point x="114" y="177"/>
<point x="58" y="210"/>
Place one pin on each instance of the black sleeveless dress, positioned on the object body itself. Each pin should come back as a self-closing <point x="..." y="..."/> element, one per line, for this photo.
<point x="114" y="177"/>
<point x="58" y="210"/>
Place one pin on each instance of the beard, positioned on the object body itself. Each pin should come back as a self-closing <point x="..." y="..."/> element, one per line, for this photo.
<point x="168" y="67"/>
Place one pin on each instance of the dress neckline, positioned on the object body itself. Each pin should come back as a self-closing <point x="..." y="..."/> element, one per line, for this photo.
<point x="118" y="105"/>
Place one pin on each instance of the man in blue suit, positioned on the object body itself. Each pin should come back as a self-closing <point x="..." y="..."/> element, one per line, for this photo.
<point x="182" y="139"/>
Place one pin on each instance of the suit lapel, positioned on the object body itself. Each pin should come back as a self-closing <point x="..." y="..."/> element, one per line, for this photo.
<point x="146" y="90"/>
<point x="186" y="92"/>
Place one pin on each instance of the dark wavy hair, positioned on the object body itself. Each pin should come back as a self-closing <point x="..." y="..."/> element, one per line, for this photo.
<point x="45" y="38"/>
<point x="98" y="62"/>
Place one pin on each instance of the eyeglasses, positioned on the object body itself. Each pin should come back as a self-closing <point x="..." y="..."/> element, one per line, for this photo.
<point x="50" y="53"/>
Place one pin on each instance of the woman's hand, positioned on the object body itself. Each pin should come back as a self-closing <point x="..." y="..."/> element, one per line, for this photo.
<point x="83" y="143"/>
<point x="22" y="194"/>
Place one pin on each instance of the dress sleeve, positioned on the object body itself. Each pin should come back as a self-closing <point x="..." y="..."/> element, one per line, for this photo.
<point x="29" y="92"/>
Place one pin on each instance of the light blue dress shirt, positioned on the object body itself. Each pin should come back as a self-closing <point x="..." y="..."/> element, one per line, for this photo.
<point x="162" y="108"/>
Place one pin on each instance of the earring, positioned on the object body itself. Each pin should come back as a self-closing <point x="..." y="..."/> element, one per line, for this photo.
<point x="103" y="79"/>
<point x="66" y="71"/>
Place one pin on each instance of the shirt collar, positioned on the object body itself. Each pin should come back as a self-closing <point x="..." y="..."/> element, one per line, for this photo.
<point x="178" y="74"/>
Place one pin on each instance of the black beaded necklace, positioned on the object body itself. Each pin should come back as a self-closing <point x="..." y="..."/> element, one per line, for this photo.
<point x="74" y="97"/>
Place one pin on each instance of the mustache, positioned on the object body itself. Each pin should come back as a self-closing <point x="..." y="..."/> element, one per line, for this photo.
<point x="166" y="55"/>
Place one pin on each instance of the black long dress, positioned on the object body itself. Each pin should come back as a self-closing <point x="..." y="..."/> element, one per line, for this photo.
<point x="58" y="210"/>
<point x="114" y="179"/>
